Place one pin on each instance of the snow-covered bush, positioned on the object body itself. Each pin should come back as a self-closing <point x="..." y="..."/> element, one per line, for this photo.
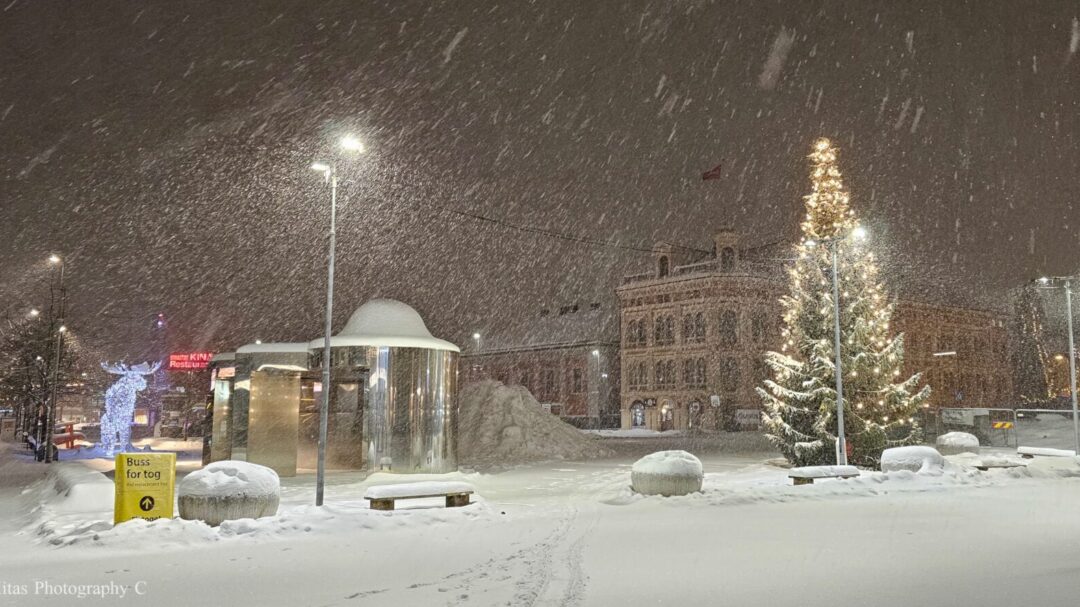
<point x="953" y="443"/>
<point x="913" y="459"/>
<point x="228" y="490"/>
<point x="667" y="473"/>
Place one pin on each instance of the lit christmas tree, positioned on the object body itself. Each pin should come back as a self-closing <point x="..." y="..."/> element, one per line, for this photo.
<point x="800" y="400"/>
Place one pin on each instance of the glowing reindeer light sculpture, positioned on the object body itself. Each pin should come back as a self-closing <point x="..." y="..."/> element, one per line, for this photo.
<point x="120" y="404"/>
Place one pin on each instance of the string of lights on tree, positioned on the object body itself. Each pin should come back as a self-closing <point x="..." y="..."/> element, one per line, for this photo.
<point x="800" y="399"/>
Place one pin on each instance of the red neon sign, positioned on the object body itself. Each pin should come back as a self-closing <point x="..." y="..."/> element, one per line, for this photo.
<point x="189" y="361"/>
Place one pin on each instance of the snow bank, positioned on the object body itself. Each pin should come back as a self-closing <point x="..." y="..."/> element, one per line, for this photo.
<point x="667" y="473"/>
<point x="76" y="488"/>
<point x="952" y="443"/>
<point x="231" y="478"/>
<point x="918" y="459"/>
<point x="505" y="426"/>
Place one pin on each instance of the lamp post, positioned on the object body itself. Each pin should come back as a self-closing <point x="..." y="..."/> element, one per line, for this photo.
<point x="858" y="233"/>
<point x="50" y="411"/>
<point x="329" y="171"/>
<point x="476" y="338"/>
<point x="1066" y="283"/>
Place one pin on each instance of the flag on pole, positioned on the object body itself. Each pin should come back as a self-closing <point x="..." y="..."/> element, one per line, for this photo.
<point x="713" y="173"/>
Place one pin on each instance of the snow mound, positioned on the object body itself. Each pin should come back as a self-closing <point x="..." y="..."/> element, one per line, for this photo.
<point x="953" y="443"/>
<point x="231" y="478"/>
<point x="918" y="459"/>
<point x="673" y="462"/>
<point x="504" y="426"/>
<point x="76" y="488"/>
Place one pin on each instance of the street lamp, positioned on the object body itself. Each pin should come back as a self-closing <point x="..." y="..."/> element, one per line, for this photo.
<point x="50" y="411"/>
<point x="858" y="233"/>
<point x="329" y="171"/>
<point x="476" y="338"/>
<point x="1053" y="282"/>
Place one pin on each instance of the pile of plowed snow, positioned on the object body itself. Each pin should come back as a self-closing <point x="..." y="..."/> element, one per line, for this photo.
<point x="504" y="425"/>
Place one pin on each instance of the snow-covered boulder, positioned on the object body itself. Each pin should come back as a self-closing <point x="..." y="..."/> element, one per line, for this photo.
<point x="913" y="459"/>
<point x="228" y="490"/>
<point x="954" y="443"/>
<point x="667" y="473"/>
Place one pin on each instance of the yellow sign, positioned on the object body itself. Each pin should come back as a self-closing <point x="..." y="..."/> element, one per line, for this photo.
<point x="144" y="486"/>
<point x="1002" y="425"/>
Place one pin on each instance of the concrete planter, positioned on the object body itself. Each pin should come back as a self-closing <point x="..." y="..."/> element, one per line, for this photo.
<point x="217" y="509"/>
<point x="664" y="484"/>
<point x="229" y="490"/>
<point x="667" y="473"/>
<point x="954" y="443"/>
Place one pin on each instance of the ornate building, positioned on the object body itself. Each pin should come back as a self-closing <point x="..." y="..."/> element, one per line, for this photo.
<point x="694" y="329"/>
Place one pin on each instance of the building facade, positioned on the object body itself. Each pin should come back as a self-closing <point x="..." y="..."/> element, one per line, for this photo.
<point x="695" y="327"/>
<point x="961" y="352"/>
<point x="567" y="357"/>
<point x="693" y="332"/>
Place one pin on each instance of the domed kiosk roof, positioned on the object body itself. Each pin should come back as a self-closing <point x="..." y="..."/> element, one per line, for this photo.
<point x="386" y="322"/>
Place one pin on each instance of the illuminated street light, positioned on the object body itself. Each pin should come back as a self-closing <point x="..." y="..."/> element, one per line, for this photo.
<point x="1066" y="283"/>
<point x="352" y="144"/>
<point x="34" y="312"/>
<point x="476" y="338"/>
<point x="349" y="143"/>
<point x="54" y="258"/>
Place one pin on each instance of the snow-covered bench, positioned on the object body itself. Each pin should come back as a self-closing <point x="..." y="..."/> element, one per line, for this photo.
<point x="1031" y="452"/>
<point x="382" y="496"/>
<point x="808" y="474"/>
<point x="988" y="463"/>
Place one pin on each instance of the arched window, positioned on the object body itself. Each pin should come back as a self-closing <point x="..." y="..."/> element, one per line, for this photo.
<point x="727" y="259"/>
<point x="662" y="267"/>
<point x="729" y="374"/>
<point x="637" y="415"/>
<point x="729" y="328"/>
<point x="664" y="330"/>
<point x="694" y="372"/>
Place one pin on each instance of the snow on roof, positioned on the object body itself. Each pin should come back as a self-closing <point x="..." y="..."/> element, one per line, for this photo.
<point x="274" y="347"/>
<point x="557" y="326"/>
<point x="223" y="357"/>
<point x="386" y="322"/>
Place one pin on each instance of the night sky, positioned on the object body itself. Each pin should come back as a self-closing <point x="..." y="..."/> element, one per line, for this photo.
<point x="163" y="147"/>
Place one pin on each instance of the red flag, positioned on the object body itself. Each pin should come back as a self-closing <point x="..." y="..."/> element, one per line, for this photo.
<point x="713" y="173"/>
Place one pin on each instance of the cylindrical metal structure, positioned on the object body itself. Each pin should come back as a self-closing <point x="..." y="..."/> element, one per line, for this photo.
<point x="410" y="419"/>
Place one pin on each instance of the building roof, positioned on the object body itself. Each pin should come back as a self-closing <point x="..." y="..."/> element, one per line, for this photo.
<point x="569" y="324"/>
<point x="386" y="322"/>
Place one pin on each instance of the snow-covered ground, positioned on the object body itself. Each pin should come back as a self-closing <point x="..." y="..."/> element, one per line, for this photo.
<point x="573" y="534"/>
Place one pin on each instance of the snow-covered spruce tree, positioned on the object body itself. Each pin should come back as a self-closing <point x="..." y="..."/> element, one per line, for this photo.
<point x="800" y="400"/>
